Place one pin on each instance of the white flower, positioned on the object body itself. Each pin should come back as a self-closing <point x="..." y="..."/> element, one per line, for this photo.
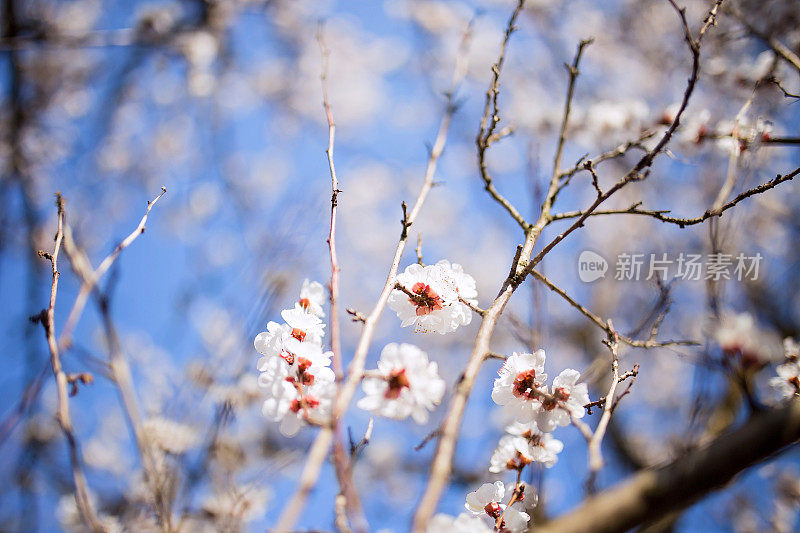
<point x="543" y="447"/>
<point x="305" y="326"/>
<point x="567" y="397"/>
<point x="512" y="453"/>
<point x="284" y="342"/>
<point x="791" y="348"/>
<point x="312" y="298"/>
<point x="431" y="297"/>
<point x="525" y="444"/>
<point x="469" y="523"/>
<point x="454" y="275"/>
<point x="293" y="404"/>
<point x="408" y="384"/>
<point x="519" y="385"/>
<point x="464" y="523"/>
<point x="485" y="503"/>
<point x="788" y="381"/>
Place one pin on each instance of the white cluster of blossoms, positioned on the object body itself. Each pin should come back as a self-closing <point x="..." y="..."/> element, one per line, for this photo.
<point x="404" y="384"/>
<point x="787" y="383"/>
<point x="295" y="371"/>
<point x="434" y="297"/>
<point x="489" y="509"/>
<point x="537" y="408"/>
<point x="522" y="389"/>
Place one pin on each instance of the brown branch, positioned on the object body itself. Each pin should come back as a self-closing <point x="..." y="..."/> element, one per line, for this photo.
<point x="319" y="449"/>
<point x="596" y="461"/>
<point x="615" y="153"/>
<point x="603" y="324"/>
<point x="783" y="51"/>
<point x="562" y="135"/>
<point x="641" y="169"/>
<point x="343" y="465"/>
<point x="119" y="368"/>
<point x="654" y="493"/>
<point x="490" y="120"/>
<point x="84" y="502"/>
<point x="65" y="338"/>
<point x="661" y="215"/>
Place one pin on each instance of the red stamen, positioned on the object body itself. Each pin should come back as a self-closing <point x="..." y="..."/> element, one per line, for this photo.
<point x="397" y="380"/>
<point x="525" y="384"/>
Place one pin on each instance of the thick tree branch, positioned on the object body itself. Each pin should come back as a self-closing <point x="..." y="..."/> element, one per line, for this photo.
<point x="654" y="493"/>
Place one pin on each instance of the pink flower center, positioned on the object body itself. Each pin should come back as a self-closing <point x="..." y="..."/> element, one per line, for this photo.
<point x="425" y="298"/>
<point x="397" y="380"/>
<point x="299" y="334"/>
<point x="525" y="384"/>
<point x="305" y="303"/>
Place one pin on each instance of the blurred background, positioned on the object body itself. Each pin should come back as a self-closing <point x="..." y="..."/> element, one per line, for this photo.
<point x="221" y="103"/>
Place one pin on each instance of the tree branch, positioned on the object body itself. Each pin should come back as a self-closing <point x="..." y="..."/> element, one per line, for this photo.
<point x="654" y="493"/>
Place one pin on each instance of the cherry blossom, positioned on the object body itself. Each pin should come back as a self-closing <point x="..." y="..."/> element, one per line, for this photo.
<point x="463" y="523"/>
<point x="305" y="326"/>
<point x="291" y="403"/>
<point x="518" y="387"/>
<point x="787" y="383"/>
<point x="525" y="444"/>
<point x="312" y="298"/>
<point x="485" y="503"/>
<point x="522" y="389"/>
<point x="431" y="297"/>
<point x="294" y="370"/>
<point x="566" y="399"/>
<point x="406" y="384"/>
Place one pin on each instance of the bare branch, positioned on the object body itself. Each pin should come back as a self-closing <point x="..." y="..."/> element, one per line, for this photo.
<point x="65" y="337"/>
<point x="661" y="215"/>
<point x="599" y="322"/>
<point x="654" y="493"/>
<point x="491" y="118"/>
<point x="84" y="503"/>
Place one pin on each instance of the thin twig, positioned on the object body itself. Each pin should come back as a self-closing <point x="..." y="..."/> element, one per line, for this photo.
<point x="118" y="367"/>
<point x="341" y="461"/>
<point x="65" y="337"/>
<point x="603" y="324"/>
<point x="661" y="214"/>
<point x="595" y="452"/>
<point x="84" y="502"/>
<point x="491" y="118"/>
<point x="783" y="51"/>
